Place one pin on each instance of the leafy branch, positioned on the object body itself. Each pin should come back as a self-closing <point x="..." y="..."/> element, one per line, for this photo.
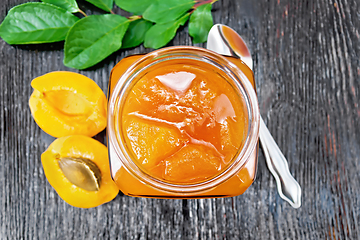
<point x="90" y="39"/>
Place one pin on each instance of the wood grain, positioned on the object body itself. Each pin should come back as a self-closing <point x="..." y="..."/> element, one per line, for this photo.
<point x="306" y="55"/>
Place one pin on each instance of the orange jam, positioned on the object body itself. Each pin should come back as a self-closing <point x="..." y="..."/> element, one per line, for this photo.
<point x="180" y="123"/>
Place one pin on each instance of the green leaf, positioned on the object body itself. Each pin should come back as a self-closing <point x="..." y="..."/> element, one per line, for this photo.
<point x="161" y="33"/>
<point x="135" y="34"/>
<point x="136" y="7"/>
<point x="36" y="22"/>
<point x="69" y="5"/>
<point x="93" y="38"/>
<point x="164" y="11"/>
<point x="200" y="23"/>
<point x="105" y="5"/>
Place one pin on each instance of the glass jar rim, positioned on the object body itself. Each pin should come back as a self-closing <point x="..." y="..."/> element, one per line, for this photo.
<point x="184" y="52"/>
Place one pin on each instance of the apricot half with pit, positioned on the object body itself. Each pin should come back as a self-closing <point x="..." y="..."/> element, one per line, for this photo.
<point x="77" y="167"/>
<point x="67" y="103"/>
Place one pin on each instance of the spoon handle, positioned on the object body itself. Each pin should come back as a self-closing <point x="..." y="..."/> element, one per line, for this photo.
<point x="224" y="40"/>
<point x="288" y="188"/>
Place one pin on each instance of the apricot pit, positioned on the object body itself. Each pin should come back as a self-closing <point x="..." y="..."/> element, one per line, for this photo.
<point x="67" y="103"/>
<point x="81" y="172"/>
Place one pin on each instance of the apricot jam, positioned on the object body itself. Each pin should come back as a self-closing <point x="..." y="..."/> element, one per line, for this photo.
<point x="182" y="123"/>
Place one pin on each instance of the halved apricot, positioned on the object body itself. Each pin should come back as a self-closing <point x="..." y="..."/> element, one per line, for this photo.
<point x="77" y="167"/>
<point x="67" y="103"/>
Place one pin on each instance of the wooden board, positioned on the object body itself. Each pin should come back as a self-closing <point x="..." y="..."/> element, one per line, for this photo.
<point x="306" y="61"/>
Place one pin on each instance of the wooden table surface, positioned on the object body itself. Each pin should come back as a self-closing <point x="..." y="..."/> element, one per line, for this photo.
<point x="307" y="68"/>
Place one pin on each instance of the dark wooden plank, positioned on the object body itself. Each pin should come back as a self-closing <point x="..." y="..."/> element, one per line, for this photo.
<point x="307" y="69"/>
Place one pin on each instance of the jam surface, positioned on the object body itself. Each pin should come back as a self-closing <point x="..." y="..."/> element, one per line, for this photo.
<point x="183" y="122"/>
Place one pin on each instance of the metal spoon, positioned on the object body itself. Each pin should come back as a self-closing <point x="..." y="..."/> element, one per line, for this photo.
<point x="224" y="40"/>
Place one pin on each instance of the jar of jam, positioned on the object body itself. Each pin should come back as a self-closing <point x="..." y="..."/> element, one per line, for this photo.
<point x="183" y="122"/>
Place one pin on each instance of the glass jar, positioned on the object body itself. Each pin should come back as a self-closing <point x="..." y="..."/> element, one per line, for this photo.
<point x="129" y="174"/>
